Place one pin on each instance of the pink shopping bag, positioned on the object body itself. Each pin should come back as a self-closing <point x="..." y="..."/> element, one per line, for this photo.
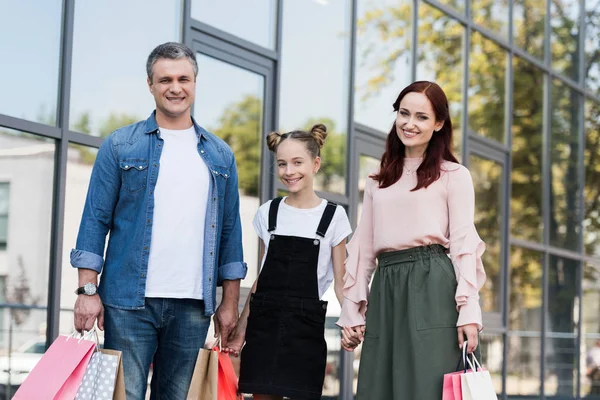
<point x="59" y="372"/>
<point x="452" y="387"/>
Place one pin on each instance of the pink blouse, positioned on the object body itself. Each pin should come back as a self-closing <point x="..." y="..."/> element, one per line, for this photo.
<point x="395" y="218"/>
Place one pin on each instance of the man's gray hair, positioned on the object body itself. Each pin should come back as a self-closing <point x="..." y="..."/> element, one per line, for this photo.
<point x="171" y="51"/>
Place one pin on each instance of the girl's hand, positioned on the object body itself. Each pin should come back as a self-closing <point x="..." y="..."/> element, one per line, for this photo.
<point x="235" y="342"/>
<point x="471" y="333"/>
<point x="352" y="337"/>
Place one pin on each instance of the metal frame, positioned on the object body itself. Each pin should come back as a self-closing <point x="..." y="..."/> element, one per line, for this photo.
<point x="266" y="61"/>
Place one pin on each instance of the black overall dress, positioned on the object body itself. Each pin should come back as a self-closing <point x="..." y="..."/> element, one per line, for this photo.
<point x="285" y="352"/>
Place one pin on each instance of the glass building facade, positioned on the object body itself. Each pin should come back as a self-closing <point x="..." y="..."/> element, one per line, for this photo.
<point x="523" y="81"/>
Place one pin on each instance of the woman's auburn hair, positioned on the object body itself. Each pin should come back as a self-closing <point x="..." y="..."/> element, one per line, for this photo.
<point x="438" y="149"/>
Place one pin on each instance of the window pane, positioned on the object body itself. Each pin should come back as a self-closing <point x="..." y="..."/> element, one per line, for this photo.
<point x="457" y="4"/>
<point x="492" y="348"/>
<point x="523" y="366"/>
<point x="31" y="33"/>
<point x="23" y="336"/>
<point x="592" y="45"/>
<point x="367" y="166"/>
<point x="565" y="181"/>
<point x="491" y="14"/>
<point x="235" y="114"/>
<point x="440" y="60"/>
<point x="561" y="368"/>
<point x="591" y="299"/>
<point x="110" y="91"/>
<point x="487" y="67"/>
<point x="525" y="303"/>
<point x="252" y="20"/>
<point x="564" y="22"/>
<point x="333" y="338"/>
<point x="591" y="219"/>
<point x="4" y="195"/>
<point x="80" y="160"/>
<point x="487" y="179"/>
<point x="529" y="20"/>
<point x="590" y="370"/>
<point x="527" y="156"/>
<point x="314" y="79"/>
<point x="27" y="163"/>
<point x="563" y="300"/>
<point x="383" y="60"/>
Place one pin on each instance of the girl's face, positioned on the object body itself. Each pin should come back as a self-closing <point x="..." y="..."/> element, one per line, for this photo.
<point x="296" y="166"/>
<point x="416" y="123"/>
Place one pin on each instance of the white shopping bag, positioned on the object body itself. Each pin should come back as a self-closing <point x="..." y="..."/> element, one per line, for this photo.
<point x="476" y="384"/>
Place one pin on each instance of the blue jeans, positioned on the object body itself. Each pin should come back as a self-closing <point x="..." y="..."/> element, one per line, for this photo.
<point x="167" y="333"/>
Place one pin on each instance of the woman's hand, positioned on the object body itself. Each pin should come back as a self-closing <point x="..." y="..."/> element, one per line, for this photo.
<point x="235" y="342"/>
<point x="471" y="333"/>
<point x="352" y="337"/>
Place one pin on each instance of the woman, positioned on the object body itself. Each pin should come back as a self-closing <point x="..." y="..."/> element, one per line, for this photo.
<point x="423" y="304"/>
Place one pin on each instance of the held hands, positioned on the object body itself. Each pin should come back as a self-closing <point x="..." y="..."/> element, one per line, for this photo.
<point x="225" y="319"/>
<point x="469" y="331"/>
<point x="352" y="337"/>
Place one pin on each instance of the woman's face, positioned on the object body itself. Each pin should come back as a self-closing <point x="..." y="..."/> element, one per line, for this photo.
<point x="416" y="123"/>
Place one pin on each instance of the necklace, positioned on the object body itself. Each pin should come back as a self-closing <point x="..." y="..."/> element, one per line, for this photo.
<point x="410" y="171"/>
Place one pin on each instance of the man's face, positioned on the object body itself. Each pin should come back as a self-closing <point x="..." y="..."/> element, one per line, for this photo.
<point x="173" y="87"/>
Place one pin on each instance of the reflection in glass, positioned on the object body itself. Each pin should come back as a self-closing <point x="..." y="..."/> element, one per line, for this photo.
<point x="491" y="14"/>
<point x="560" y="355"/>
<point x="563" y="300"/>
<point x="525" y="303"/>
<point x="22" y="344"/>
<point x="523" y="366"/>
<point x="314" y="79"/>
<point x="592" y="46"/>
<point x="591" y="299"/>
<point x="591" y="219"/>
<point x="492" y="356"/>
<point x="487" y="79"/>
<point x="529" y="19"/>
<point x="252" y="20"/>
<point x="27" y="178"/>
<point x="333" y="338"/>
<point x="4" y="200"/>
<point x="564" y="39"/>
<point x="457" y="4"/>
<point x="366" y="166"/>
<point x="440" y="60"/>
<point x="235" y="114"/>
<point x="590" y="368"/>
<point x="565" y="181"/>
<point x="31" y="38"/>
<point x="527" y="139"/>
<point x="110" y="91"/>
<point x="383" y="60"/>
<point x="487" y="180"/>
<point x="80" y="160"/>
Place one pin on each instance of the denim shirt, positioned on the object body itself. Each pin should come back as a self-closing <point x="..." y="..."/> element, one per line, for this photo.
<point x="120" y="200"/>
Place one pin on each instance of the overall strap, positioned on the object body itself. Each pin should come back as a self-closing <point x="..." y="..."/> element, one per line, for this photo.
<point x="326" y="218"/>
<point x="273" y="208"/>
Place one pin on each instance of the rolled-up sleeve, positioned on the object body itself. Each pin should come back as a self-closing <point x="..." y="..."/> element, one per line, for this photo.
<point x="231" y="255"/>
<point x="466" y="247"/>
<point x="97" y="218"/>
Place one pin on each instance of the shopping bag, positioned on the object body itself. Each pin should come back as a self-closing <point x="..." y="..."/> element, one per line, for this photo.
<point x="451" y="389"/>
<point x="101" y="376"/>
<point x="59" y="372"/>
<point x="214" y="377"/>
<point x="477" y="383"/>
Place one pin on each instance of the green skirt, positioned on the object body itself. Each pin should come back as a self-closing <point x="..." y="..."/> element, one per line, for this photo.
<point x="411" y="339"/>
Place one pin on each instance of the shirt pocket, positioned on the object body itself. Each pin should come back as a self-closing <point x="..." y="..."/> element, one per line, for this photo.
<point x="221" y="177"/>
<point x="134" y="174"/>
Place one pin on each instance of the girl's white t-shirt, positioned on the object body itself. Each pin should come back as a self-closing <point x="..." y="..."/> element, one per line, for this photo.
<point x="303" y="222"/>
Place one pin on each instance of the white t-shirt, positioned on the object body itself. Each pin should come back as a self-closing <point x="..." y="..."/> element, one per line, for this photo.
<point x="303" y="222"/>
<point x="180" y="200"/>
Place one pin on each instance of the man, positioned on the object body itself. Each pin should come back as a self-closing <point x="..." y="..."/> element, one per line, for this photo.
<point x="167" y="191"/>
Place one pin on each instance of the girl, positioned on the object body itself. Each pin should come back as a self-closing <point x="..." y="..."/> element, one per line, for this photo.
<point x="304" y="238"/>
<point x="419" y="205"/>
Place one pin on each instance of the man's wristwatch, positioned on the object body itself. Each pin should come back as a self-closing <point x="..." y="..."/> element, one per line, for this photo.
<point x="89" y="289"/>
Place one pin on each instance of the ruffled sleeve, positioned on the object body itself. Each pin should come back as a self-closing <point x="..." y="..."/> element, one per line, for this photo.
<point x="466" y="247"/>
<point x="360" y="265"/>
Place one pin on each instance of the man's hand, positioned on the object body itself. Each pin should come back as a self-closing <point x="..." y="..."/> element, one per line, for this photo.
<point x="88" y="309"/>
<point x="226" y="318"/>
<point x="470" y="331"/>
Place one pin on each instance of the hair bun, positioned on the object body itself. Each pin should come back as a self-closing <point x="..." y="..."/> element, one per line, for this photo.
<point x="273" y="140"/>
<point x="319" y="133"/>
